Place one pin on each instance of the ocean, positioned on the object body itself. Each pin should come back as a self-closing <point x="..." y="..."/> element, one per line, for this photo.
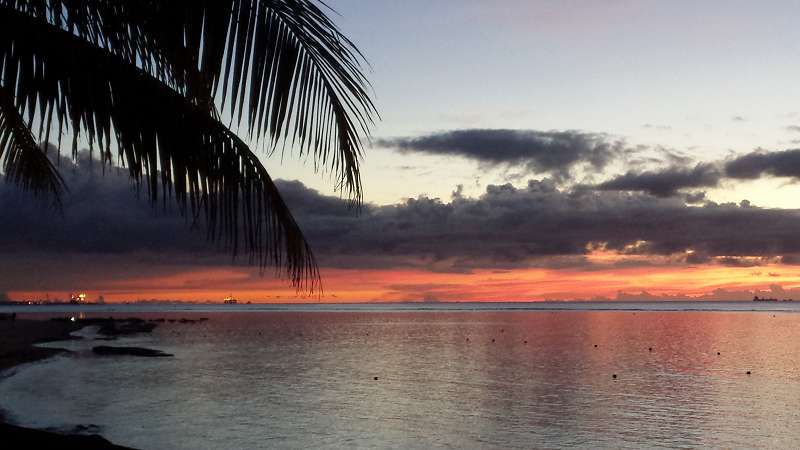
<point x="554" y="375"/>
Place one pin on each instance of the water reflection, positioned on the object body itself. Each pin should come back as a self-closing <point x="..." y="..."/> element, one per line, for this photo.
<point x="461" y="379"/>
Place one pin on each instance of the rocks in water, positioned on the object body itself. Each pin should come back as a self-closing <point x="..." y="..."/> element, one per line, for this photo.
<point x="85" y="429"/>
<point x="191" y="320"/>
<point x="129" y="351"/>
<point x="181" y="320"/>
<point x="110" y="326"/>
<point x="125" y="326"/>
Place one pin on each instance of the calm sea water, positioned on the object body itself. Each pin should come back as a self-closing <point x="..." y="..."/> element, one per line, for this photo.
<point x="463" y="379"/>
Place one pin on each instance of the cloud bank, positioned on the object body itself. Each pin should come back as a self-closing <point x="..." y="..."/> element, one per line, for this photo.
<point x="105" y="231"/>
<point x="539" y="224"/>
<point x="754" y="165"/>
<point x="552" y="152"/>
<point x="666" y="182"/>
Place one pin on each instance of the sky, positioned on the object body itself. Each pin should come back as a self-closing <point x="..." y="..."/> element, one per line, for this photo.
<point x="527" y="150"/>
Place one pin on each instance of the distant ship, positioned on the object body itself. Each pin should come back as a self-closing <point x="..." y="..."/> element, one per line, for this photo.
<point x="229" y="300"/>
<point x="757" y="299"/>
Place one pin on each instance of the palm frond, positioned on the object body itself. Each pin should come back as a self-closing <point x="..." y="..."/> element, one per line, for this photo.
<point x="303" y="79"/>
<point x="166" y="140"/>
<point x="281" y="68"/>
<point x="24" y="162"/>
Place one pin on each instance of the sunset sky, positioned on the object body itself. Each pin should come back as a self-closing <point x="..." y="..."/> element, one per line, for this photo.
<point x="528" y="150"/>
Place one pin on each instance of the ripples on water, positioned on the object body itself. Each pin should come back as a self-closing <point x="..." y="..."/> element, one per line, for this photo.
<point x="303" y="379"/>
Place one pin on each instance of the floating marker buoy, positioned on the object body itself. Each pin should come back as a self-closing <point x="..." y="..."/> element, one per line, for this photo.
<point x="748" y="372"/>
<point x="650" y="349"/>
<point x="375" y="378"/>
<point x="614" y="376"/>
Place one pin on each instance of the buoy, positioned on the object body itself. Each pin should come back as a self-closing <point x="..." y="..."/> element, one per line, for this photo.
<point x="718" y="353"/>
<point x="614" y="376"/>
<point x="492" y="339"/>
<point x="595" y="345"/>
<point x="375" y="378"/>
<point x="748" y="372"/>
<point x="650" y="349"/>
<point x="525" y="342"/>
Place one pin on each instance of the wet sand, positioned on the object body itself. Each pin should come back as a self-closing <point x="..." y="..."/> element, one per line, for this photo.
<point x="17" y="339"/>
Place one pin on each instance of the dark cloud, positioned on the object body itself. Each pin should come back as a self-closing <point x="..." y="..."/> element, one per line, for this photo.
<point x="554" y="152"/>
<point x="105" y="231"/>
<point x="754" y="165"/>
<point x="538" y="225"/>
<point x="666" y="182"/>
<point x="679" y="176"/>
<point x="695" y="197"/>
<point x="102" y="214"/>
<point x="738" y="261"/>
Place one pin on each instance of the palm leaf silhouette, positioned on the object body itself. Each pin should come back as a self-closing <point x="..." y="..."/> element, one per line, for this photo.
<point x="144" y="78"/>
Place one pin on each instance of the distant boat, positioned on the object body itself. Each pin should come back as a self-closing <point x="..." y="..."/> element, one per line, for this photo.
<point x="229" y="300"/>
<point x="757" y="299"/>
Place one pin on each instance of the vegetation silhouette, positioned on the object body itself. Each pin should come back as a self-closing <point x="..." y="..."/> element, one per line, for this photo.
<point x="151" y="80"/>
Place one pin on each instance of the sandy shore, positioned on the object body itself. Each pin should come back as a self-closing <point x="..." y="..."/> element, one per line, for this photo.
<point x="17" y="339"/>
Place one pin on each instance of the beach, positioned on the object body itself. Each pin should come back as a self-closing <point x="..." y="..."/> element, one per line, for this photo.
<point x="17" y="346"/>
<point x="17" y="339"/>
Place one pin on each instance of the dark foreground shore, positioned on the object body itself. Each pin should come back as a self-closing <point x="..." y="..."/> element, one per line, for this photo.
<point x="18" y="336"/>
<point x="17" y="339"/>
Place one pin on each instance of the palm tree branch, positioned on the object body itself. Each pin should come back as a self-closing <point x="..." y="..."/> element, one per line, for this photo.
<point x="281" y="66"/>
<point x="289" y="73"/>
<point x="25" y="163"/>
<point x="166" y="140"/>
